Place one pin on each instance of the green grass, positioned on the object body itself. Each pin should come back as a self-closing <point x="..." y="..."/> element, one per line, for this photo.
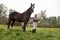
<point x="41" y="34"/>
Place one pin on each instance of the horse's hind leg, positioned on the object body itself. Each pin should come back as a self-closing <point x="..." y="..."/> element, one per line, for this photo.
<point x="8" y="24"/>
<point x="12" y="24"/>
<point x="24" y="27"/>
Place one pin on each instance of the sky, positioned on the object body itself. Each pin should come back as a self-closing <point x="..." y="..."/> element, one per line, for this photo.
<point x="52" y="7"/>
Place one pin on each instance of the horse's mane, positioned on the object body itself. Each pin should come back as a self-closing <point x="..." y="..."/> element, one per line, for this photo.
<point x="28" y="10"/>
<point x="24" y="11"/>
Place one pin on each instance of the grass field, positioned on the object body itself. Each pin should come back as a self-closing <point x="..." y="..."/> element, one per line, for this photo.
<point x="41" y="34"/>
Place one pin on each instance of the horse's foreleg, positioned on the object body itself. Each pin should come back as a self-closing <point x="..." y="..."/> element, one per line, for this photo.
<point x="24" y="27"/>
<point x="12" y="24"/>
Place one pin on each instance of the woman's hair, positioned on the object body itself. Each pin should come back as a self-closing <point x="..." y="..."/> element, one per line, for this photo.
<point x="35" y="15"/>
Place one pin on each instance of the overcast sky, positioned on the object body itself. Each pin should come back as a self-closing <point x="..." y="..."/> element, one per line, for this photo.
<point x="52" y="7"/>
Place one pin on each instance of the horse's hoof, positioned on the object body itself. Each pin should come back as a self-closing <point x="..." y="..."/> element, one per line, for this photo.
<point x="24" y="31"/>
<point x="34" y="31"/>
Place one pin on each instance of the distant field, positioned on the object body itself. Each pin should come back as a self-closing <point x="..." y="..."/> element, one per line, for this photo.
<point x="41" y="34"/>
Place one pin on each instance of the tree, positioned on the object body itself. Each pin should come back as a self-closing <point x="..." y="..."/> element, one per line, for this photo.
<point x="52" y="20"/>
<point x="3" y="10"/>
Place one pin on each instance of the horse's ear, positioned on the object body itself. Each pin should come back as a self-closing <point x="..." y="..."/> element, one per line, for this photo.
<point x="44" y="10"/>
<point x="31" y="3"/>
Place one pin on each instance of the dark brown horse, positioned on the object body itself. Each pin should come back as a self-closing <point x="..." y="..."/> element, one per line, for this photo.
<point x="20" y="17"/>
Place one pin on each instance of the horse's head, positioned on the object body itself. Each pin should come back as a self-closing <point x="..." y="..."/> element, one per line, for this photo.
<point x="43" y="14"/>
<point x="32" y="7"/>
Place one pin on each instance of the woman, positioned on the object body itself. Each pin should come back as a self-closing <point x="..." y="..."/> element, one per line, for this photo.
<point x="35" y="20"/>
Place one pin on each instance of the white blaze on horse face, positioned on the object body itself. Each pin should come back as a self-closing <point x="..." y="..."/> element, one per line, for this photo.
<point x="43" y="14"/>
<point x="32" y="9"/>
<point x="32" y="5"/>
